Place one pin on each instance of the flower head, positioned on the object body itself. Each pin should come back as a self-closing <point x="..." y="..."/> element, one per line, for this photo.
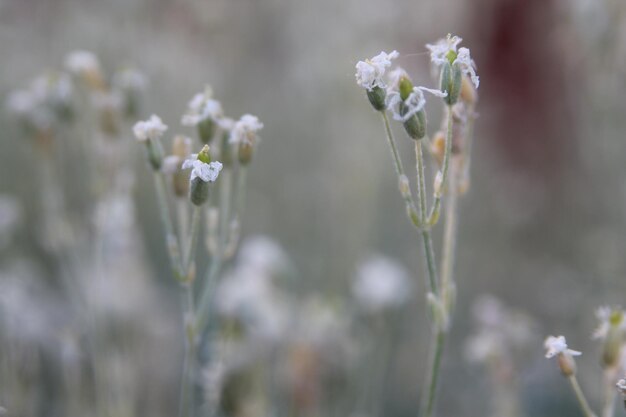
<point x="202" y="107"/>
<point x="152" y="129"/>
<point x="245" y="130"/>
<point x="369" y="73"/>
<point x="558" y="346"/>
<point x="608" y="317"/>
<point x="445" y="51"/>
<point x="202" y="167"/>
<point x="381" y="283"/>
<point x="403" y="110"/>
<point x="79" y="62"/>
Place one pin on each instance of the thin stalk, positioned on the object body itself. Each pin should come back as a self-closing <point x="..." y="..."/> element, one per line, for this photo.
<point x="408" y="198"/>
<point x="436" y="354"/>
<point x="193" y="241"/>
<point x="170" y="237"/>
<point x="584" y="405"/>
<point x="608" y="409"/>
<point x="434" y="212"/>
<point x="429" y="253"/>
<point x="449" y="238"/>
<point x="203" y="309"/>
<point x="187" y="378"/>
<point x="439" y="329"/>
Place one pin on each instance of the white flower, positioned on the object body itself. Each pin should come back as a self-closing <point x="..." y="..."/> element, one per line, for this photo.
<point x="130" y="79"/>
<point x="21" y="102"/>
<point x="202" y="107"/>
<point x="558" y="346"/>
<point x="152" y="129"/>
<point x="245" y="130"/>
<point x="262" y="253"/>
<point x="603" y="314"/>
<point x="206" y="172"/>
<point x="621" y="386"/>
<point x="467" y="65"/>
<point x="440" y="51"/>
<point x="381" y="283"/>
<point x="413" y="104"/>
<point x="369" y="73"/>
<point x="78" y="62"/>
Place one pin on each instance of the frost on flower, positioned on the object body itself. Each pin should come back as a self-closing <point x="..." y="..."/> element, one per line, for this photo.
<point x="608" y="317"/>
<point x="440" y="51"/>
<point x="152" y="129"/>
<point x="404" y="110"/>
<point x="445" y="50"/>
<point x="202" y="107"/>
<point x="245" y="130"/>
<point x="78" y="62"/>
<point x="207" y="172"/>
<point x="556" y="345"/>
<point x="369" y="73"/>
<point x="381" y="283"/>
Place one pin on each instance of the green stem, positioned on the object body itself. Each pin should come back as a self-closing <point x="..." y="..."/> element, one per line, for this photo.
<point x="434" y="212"/>
<point x="204" y="305"/>
<point x="193" y="242"/>
<point x="436" y="355"/>
<point x="187" y="378"/>
<point x="449" y="240"/>
<point x="610" y="392"/>
<point x="421" y="180"/>
<point x="406" y="191"/>
<point x="170" y="237"/>
<point x="584" y="405"/>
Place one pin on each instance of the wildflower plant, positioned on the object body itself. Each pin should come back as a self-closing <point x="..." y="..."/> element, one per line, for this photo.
<point x="207" y="178"/>
<point x="395" y="92"/>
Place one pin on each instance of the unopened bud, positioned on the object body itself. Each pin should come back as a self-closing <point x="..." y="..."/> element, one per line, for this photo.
<point x="403" y="185"/>
<point x="438" y="186"/>
<point x="468" y="91"/>
<point x="377" y="96"/>
<point x="438" y="146"/>
<point x="451" y="77"/>
<point x="567" y="364"/>
<point x="181" y="148"/>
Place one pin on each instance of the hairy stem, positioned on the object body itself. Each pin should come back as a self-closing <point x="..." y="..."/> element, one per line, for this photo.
<point x="406" y="191"/>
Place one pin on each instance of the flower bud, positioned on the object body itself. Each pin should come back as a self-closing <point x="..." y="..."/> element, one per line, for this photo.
<point x="245" y="153"/>
<point x="451" y="77"/>
<point x="438" y="146"/>
<point x="181" y="148"/>
<point x="468" y="91"/>
<point x="377" y="96"/>
<point x="403" y="185"/>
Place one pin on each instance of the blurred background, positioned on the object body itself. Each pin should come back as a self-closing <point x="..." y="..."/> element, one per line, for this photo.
<point x="543" y="227"/>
